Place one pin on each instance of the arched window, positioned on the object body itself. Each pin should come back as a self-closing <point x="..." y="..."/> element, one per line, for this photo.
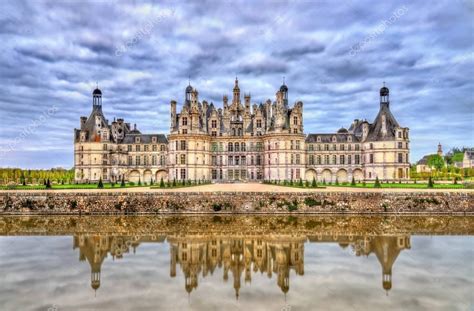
<point x="242" y="147"/>
<point x="230" y="147"/>
<point x="236" y="147"/>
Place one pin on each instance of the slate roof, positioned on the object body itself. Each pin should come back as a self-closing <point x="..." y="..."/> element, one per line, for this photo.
<point x="327" y="138"/>
<point x="145" y="138"/>
<point x="375" y="129"/>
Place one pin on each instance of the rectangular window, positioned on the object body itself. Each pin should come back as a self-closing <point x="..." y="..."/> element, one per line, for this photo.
<point x="400" y="158"/>
<point x="259" y="123"/>
<point x="342" y="159"/>
<point x="137" y="147"/>
<point x="297" y="145"/>
<point x="400" y="145"/>
<point x="298" y="159"/>
<point x="230" y="160"/>
<point x="146" y="147"/>
<point x="357" y="159"/>
<point x="183" y="159"/>
<point x="214" y="123"/>
<point x="349" y="159"/>
<point x="137" y="160"/>
<point x="155" y="148"/>
<point x="183" y="174"/>
<point x="183" y="145"/>
<point x="371" y="158"/>
<point x="214" y="160"/>
<point x="130" y="160"/>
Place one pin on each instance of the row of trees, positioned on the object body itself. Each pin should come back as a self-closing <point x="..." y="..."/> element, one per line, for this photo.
<point x="21" y="176"/>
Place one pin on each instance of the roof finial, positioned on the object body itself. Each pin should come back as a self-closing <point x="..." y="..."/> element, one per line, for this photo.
<point x="283" y="80"/>
<point x="96" y="84"/>
<point x="189" y="80"/>
<point x="384" y="83"/>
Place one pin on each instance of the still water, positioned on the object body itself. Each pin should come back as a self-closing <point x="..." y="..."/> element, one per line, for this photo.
<point x="236" y="263"/>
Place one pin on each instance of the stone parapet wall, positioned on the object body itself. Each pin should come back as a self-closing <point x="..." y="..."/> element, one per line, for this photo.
<point x="235" y="202"/>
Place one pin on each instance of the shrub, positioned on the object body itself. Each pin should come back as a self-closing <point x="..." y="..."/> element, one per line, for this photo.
<point x="337" y="182"/>
<point x="377" y="183"/>
<point x="313" y="183"/>
<point x="139" y="181"/>
<point x="162" y="183"/>
<point x="48" y="184"/>
<point x="174" y="182"/>
<point x="101" y="184"/>
<point x="311" y="202"/>
<point x="353" y="182"/>
<point x="306" y="184"/>
<point x="300" y="183"/>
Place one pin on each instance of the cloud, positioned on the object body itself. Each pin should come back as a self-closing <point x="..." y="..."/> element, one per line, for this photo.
<point x="142" y="52"/>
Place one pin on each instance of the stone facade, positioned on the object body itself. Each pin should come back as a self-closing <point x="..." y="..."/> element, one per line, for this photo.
<point x="44" y="202"/>
<point x="241" y="141"/>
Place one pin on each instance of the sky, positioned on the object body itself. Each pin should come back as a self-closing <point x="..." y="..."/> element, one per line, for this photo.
<point x="333" y="55"/>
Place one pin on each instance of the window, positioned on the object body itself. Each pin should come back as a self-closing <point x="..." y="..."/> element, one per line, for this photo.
<point x="137" y="147"/>
<point x="155" y="148"/>
<point x="318" y="160"/>
<point x="162" y="160"/>
<point x="230" y="160"/>
<point x="137" y="160"/>
<point x="295" y="120"/>
<point x="182" y="159"/>
<point x="371" y="158"/>
<point x="184" y="121"/>
<point x="214" y="160"/>
<point x="214" y="174"/>
<point x="349" y="159"/>
<point x="242" y="147"/>
<point x="326" y="159"/>
<point x="400" y="158"/>
<point x="291" y="145"/>
<point x="236" y="147"/>
<point x="183" y="173"/>
<point x="334" y="159"/>
<point x="214" y="147"/>
<point x="342" y="159"/>
<point x="298" y="159"/>
<point x="259" y="123"/>
<point x="183" y="145"/>
<point x="399" y="134"/>
<point x="357" y="159"/>
<point x="162" y="147"/>
<point x="153" y="160"/>
<point x="298" y="173"/>
<point x="311" y="147"/>
<point x="259" y="160"/>
<point x="297" y="145"/>
<point x="334" y="147"/>
<point x="311" y="159"/>
<point x="342" y="147"/>
<point x="400" y="145"/>
<point x="237" y="160"/>
<point x="105" y="147"/>
<point x="326" y="147"/>
<point x="129" y="160"/>
<point x="214" y="134"/>
<point x="185" y="131"/>
<point x="371" y="146"/>
<point x="214" y="124"/>
<point x="230" y="147"/>
<point x="357" y="147"/>
<point x="292" y="159"/>
<point x="145" y="148"/>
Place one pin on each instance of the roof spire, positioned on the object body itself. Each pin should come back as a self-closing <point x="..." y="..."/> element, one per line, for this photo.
<point x="189" y="80"/>
<point x="283" y="80"/>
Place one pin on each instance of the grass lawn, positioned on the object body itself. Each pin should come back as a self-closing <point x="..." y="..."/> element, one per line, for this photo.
<point x="67" y="186"/>
<point x="395" y="185"/>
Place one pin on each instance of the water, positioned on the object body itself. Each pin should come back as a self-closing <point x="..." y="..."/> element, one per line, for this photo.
<point x="236" y="263"/>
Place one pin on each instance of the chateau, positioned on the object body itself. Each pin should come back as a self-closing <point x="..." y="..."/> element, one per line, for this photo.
<point x="240" y="141"/>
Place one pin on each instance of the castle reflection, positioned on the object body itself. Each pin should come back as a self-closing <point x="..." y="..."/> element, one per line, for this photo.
<point x="239" y="256"/>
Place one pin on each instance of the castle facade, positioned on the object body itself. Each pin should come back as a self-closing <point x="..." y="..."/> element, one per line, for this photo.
<point x="242" y="141"/>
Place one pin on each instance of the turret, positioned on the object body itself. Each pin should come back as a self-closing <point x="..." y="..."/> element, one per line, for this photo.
<point x="83" y="122"/>
<point x="97" y="98"/>
<point x="173" y="114"/>
<point x="236" y="98"/>
<point x="384" y="96"/>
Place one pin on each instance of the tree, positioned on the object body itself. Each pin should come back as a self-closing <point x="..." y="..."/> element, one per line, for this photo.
<point x="139" y="181"/>
<point x="174" y="182"/>
<point x="162" y="183"/>
<point x="48" y="184"/>
<point x="337" y="182"/>
<point x="436" y="161"/>
<point x="101" y="184"/>
<point x="353" y="182"/>
<point x="300" y="183"/>
<point x="377" y="183"/>
<point x="313" y="184"/>
<point x="430" y="182"/>
<point x="122" y="184"/>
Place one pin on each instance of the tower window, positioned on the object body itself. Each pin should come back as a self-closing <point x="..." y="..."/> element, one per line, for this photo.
<point x="295" y="120"/>
<point x="184" y="121"/>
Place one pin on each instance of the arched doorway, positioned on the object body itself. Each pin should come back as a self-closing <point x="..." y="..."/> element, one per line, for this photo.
<point x="358" y="176"/>
<point x="310" y="175"/>
<point x="326" y="176"/>
<point x="341" y="175"/>
<point x="161" y="174"/>
<point x="134" y="176"/>
<point x="147" y="175"/>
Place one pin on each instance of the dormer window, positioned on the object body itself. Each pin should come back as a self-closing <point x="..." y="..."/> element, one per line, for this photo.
<point x="318" y="139"/>
<point x="153" y="139"/>
<point x="184" y="121"/>
<point x="334" y="139"/>
<point x="349" y="139"/>
<point x="137" y="140"/>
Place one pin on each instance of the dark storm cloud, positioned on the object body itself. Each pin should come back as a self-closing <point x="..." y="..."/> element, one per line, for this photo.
<point x="334" y="58"/>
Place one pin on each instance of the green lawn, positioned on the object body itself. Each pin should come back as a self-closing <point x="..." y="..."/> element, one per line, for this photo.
<point x="67" y="186"/>
<point x="395" y="185"/>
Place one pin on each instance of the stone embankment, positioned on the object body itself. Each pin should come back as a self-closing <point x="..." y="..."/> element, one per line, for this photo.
<point x="45" y="202"/>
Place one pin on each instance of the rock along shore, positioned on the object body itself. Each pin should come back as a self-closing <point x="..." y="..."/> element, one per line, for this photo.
<point x="96" y="202"/>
